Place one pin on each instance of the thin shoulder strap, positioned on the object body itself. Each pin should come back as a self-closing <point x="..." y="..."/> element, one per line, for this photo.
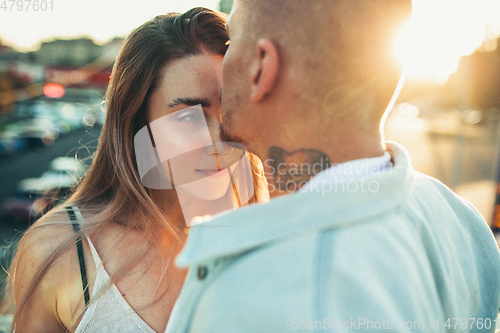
<point x="81" y="258"/>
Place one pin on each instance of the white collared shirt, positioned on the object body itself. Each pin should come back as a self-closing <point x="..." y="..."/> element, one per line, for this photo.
<point x="351" y="171"/>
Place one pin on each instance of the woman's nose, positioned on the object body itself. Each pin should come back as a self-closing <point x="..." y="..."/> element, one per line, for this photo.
<point x="219" y="148"/>
<point x="214" y="129"/>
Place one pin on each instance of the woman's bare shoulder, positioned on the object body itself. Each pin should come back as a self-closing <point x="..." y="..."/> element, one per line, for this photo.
<point x="45" y="236"/>
<point x="43" y="247"/>
<point x="40" y="271"/>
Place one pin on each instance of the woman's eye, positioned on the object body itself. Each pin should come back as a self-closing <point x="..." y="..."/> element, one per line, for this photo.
<point x="190" y="118"/>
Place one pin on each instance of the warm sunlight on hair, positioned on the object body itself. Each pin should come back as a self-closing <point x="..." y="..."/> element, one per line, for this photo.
<point x="439" y="32"/>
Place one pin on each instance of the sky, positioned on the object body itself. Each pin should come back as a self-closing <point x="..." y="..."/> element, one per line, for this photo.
<point x="429" y="47"/>
<point x="99" y="19"/>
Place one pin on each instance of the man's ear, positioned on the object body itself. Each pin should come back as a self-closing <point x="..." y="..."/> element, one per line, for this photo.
<point x="264" y="70"/>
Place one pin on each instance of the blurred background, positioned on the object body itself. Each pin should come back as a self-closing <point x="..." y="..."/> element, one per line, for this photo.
<point x="56" y="58"/>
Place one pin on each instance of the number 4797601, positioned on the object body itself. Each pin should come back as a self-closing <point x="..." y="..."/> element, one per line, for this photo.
<point x="27" y="5"/>
<point x="470" y="323"/>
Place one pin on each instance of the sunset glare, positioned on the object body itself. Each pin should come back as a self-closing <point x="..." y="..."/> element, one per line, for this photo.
<point x="439" y="32"/>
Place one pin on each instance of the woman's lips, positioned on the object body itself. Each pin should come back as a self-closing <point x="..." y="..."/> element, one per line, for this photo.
<point x="214" y="173"/>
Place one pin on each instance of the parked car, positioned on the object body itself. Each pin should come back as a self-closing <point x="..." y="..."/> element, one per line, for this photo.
<point x="10" y="143"/>
<point x="33" y="197"/>
<point x="67" y="166"/>
<point x="37" y="195"/>
<point x="19" y="207"/>
<point x="66" y="116"/>
<point x="37" y="132"/>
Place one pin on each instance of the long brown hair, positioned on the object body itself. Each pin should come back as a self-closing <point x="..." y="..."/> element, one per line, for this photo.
<point x="113" y="178"/>
<point x="112" y="190"/>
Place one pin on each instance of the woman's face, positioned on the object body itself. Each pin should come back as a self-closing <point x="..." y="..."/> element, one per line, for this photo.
<point x="184" y="115"/>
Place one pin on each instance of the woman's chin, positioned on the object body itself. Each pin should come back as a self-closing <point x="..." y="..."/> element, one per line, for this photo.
<point x="208" y="188"/>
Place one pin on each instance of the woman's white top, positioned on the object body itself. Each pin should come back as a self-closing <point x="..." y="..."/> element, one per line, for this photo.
<point x="110" y="312"/>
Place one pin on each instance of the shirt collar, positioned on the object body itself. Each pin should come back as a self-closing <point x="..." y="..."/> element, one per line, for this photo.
<point x="352" y="170"/>
<point x="301" y="212"/>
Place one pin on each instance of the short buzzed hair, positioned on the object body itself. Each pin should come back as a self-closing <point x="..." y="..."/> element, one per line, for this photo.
<point x="333" y="42"/>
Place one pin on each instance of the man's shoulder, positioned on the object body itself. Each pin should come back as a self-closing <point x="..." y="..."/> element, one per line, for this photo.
<point x="425" y="182"/>
<point x="437" y="196"/>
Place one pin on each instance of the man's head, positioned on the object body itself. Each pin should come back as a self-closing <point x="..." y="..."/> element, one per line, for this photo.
<point x="296" y="64"/>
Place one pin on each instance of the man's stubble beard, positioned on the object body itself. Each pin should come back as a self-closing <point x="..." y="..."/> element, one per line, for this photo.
<point x="227" y="135"/>
<point x="226" y="128"/>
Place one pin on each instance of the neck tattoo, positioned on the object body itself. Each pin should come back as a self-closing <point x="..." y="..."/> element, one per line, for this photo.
<point x="292" y="170"/>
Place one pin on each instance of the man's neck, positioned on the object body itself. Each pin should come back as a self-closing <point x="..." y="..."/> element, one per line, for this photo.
<point x="289" y="167"/>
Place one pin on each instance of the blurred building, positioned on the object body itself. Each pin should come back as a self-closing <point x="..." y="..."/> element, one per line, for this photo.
<point x="82" y="67"/>
<point x="17" y="69"/>
<point x="225" y="6"/>
<point x="477" y="80"/>
<point x="81" y="70"/>
<point x="75" y="52"/>
<point x="9" y="54"/>
<point x="110" y="50"/>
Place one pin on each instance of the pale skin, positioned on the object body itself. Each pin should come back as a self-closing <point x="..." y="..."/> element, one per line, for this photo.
<point x="57" y="302"/>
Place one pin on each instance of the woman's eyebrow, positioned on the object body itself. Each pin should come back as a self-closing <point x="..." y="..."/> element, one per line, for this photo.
<point x="190" y="101"/>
